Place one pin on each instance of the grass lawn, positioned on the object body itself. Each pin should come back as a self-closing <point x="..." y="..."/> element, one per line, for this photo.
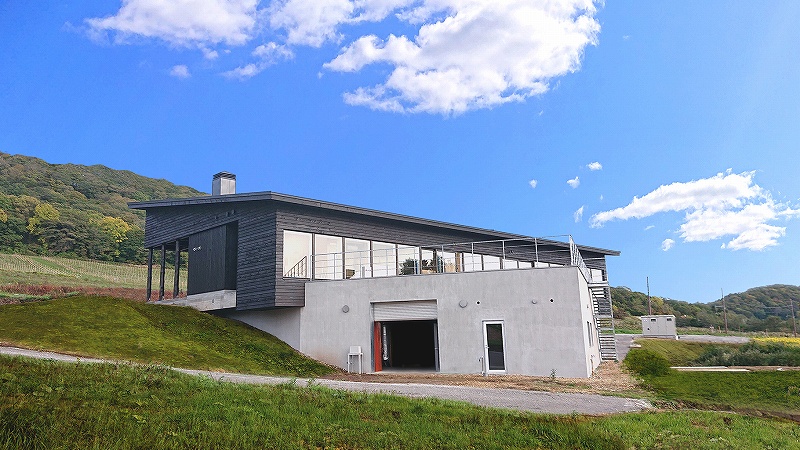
<point x="135" y="331"/>
<point x="45" y="404"/>
<point x="767" y="391"/>
<point x="678" y="353"/>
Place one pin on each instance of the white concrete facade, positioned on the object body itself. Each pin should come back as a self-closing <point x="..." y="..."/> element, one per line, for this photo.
<point x="546" y="314"/>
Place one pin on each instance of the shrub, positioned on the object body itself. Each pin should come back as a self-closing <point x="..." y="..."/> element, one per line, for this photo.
<point x="752" y="354"/>
<point x="646" y="363"/>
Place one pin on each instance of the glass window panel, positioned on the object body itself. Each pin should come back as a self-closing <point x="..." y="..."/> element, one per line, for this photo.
<point x="472" y="262"/>
<point x="327" y="257"/>
<point x="356" y="259"/>
<point x="296" y="254"/>
<point x="408" y="260"/>
<point x="509" y="264"/>
<point x="491" y="262"/>
<point x="384" y="259"/>
<point x="525" y="265"/>
<point x="494" y="346"/>
<point x="541" y="264"/>
<point x="428" y="263"/>
<point x="447" y="261"/>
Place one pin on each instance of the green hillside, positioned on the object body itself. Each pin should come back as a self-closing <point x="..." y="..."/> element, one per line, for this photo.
<point x="74" y="210"/>
<point x="764" y="308"/>
<point x="113" y="328"/>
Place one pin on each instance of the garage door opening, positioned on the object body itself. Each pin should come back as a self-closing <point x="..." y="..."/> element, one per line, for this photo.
<point x="410" y="344"/>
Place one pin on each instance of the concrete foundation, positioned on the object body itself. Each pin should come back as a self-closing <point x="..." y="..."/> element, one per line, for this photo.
<point x="208" y="301"/>
<point x="546" y="315"/>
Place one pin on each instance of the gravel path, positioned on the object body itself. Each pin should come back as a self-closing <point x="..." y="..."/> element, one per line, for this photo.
<point x="533" y="401"/>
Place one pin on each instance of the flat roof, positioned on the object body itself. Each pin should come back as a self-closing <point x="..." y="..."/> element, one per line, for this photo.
<point x="291" y="199"/>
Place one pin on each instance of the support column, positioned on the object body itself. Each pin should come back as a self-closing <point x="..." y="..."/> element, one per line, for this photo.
<point x="175" y="284"/>
<point x="163" y="272"/>
<point x="149" y="273"/>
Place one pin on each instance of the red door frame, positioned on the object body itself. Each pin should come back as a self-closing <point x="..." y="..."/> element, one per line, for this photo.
<point x="378" y="353"/>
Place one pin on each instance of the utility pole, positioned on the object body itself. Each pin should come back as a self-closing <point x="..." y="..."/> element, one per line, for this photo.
<point x="724" y="311"/>
<point x="649" y="305"/>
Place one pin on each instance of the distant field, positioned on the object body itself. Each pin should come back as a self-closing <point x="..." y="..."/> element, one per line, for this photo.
<point x="795" y="342"/>
<point x="49" y="270"/>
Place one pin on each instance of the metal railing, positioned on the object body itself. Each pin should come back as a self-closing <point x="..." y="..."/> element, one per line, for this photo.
<point x="473" y="256"/>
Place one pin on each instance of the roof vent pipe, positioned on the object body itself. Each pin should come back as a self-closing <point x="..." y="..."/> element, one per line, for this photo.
<point x="224" y="183"/>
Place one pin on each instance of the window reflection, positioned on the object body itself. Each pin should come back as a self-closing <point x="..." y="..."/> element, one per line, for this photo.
<point x="510" y="264"/>
<point x="491" y="262"/>
<point x="296" y="254"/>
<point x="428" y="263"/>
<point x="327" y="257"/>
<point x="407" y="260"/>
<point x="472" y="262"/>
<point x="356" y="259"/>
<point x="384" y="259"/>
<point x="447" y="262"/>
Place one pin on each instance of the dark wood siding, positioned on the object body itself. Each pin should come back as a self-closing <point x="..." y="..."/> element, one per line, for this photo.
<point x="212" y="260"/>
<point x="260" y="225"/>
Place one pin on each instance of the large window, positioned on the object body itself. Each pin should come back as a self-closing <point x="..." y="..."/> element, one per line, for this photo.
<point x="428" y="264"/>
<point x="327" y="257"/>
<point x="448" y="262"/>
<point x="357" y="259"/>
<point x="296" y="254"/>
<point x="491" y="262"/>
<point x="384" y="259"/>
<point x="407" y="260"/>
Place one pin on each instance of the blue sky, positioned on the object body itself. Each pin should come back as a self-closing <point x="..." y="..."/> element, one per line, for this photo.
<point x="446" y="109"/>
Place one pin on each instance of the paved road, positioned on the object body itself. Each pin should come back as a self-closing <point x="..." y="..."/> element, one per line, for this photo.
<point x="533" y="401"/>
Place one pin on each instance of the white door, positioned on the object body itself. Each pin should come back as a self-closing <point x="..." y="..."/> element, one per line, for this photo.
<point x="494" y="345"/>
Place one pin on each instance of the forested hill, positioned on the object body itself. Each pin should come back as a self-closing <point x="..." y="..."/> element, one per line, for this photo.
<point x="765" y="308"/>
<point x="75" y="210"/>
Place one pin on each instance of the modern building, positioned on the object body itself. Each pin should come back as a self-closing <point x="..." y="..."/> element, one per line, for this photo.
<point x="386" y="291"/>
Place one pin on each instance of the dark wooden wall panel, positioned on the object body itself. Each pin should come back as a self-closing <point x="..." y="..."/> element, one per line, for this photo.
<point x="260" y="225"/>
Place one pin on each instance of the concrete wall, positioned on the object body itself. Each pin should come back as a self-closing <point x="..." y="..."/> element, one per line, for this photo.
<point x="540" y="335"/>
<point x="207" y="301"/>
<point x="281" y="323"/>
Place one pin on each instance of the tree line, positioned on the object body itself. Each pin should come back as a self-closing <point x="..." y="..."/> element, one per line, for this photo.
<point x="765" y="308"/>
<point x="29" y="225"/>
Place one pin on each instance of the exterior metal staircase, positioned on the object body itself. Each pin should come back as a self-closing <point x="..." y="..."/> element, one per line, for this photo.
<point x="604" y="317"/>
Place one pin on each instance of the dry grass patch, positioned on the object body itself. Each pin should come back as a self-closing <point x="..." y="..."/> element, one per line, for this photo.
<point x="608" y="379"/>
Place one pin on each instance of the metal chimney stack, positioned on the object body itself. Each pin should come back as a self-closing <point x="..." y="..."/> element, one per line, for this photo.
<point x="224" y="183"/>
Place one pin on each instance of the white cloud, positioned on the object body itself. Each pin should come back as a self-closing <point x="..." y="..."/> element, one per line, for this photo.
<point x="574" y="183"/>
<point x="649" y="227"/>
<point x="267" y="54"/>
<point x="185" y="23"/>
<point x="180" y="71"/>
<point x="595" y="166"/>
<point x="471" y="54"/>
<point x="723" y="205"/>
<point x="667" y="244"/>
<point x="444" y="56"/>
<point x="533" y="183"/>
<point x="578" y="215"/>
<point x="209" y="54"/>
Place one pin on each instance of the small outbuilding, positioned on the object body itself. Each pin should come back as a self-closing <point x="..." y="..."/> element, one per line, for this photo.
<point x="662" y="326"/>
